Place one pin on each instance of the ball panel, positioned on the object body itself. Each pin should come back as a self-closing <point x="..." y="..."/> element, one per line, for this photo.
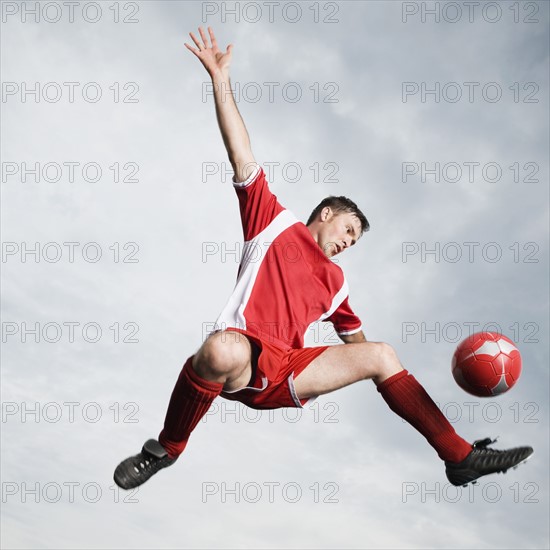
<point x="499" y="364"/>
<point x="478" y="391"/>
<point x="479" y="373"/>
<point x="487" y="350"/>
<point x="507" y="346"/>
<point x="501" y="387"/>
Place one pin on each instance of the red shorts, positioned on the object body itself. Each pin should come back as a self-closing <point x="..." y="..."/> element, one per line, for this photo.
<point x="272" y="384"/>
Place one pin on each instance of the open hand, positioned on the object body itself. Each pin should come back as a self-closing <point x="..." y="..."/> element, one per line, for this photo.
<point x="210" y="56"/>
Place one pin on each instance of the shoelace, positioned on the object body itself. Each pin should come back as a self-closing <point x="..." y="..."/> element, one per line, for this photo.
<point x="148" y="464"/>
<point x="483" y="443"/>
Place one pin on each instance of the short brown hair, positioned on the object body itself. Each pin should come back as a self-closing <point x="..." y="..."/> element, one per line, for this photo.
<point x="340" y="205"/>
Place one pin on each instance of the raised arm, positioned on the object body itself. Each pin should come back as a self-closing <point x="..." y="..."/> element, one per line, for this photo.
<point x="234" y="134"/>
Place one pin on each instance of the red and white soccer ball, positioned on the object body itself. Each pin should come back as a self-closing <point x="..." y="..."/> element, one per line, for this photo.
<point x="486" y="364"/>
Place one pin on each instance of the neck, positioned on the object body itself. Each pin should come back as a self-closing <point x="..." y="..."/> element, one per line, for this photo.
<point x="313" y="233"/>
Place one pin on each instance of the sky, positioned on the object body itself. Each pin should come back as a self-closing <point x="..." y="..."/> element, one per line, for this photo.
<point x="120" y="245"/>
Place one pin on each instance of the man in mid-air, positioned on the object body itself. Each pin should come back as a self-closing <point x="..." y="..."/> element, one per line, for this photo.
<point x="257" y="355"/>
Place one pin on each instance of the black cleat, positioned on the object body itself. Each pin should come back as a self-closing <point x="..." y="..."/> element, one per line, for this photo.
<point x="137" y="469"/>
<point x="482" y="461"/>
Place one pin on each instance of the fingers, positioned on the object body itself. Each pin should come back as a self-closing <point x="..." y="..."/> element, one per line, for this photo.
<point x="204" y="46"/>
<point x="190" y="48"/>
<point x="212" y="38"/>
<point x="197" y="43"/>
<point x="204" y="39"/>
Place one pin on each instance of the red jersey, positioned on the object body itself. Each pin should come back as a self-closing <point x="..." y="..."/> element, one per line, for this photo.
<point x="285" y="282"/>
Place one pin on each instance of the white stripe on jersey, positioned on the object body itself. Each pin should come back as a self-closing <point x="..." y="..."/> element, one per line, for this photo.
<point x="233" y="313"/>
<point x="339" y="297"/>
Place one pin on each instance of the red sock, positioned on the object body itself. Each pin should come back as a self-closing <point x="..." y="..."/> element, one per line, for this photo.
<point x="407" y="398"/>
<point x="190" y="401"/>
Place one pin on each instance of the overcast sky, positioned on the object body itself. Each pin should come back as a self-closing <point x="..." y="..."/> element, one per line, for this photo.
<point x="136" y="253"/>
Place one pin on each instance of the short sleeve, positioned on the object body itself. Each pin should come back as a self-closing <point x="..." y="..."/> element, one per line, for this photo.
<point x="344" y="319"/>
<point x="258" y="205"/>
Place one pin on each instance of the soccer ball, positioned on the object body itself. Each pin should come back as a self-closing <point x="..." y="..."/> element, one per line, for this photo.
<point x="486" y="364"/>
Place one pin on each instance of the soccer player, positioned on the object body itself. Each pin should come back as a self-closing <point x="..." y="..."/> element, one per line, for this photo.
<point x="257" y="355"/>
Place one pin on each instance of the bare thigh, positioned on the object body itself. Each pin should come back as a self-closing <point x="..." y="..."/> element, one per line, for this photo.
<point x="345" y="364"/>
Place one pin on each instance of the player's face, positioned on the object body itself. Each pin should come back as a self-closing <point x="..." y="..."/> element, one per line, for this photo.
<point x="338" y="232"/>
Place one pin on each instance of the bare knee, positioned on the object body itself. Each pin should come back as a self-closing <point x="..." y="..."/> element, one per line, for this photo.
<point x="224" y="355"/>
<point x="387" y="362"/>
<point x="387" y="352"/>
